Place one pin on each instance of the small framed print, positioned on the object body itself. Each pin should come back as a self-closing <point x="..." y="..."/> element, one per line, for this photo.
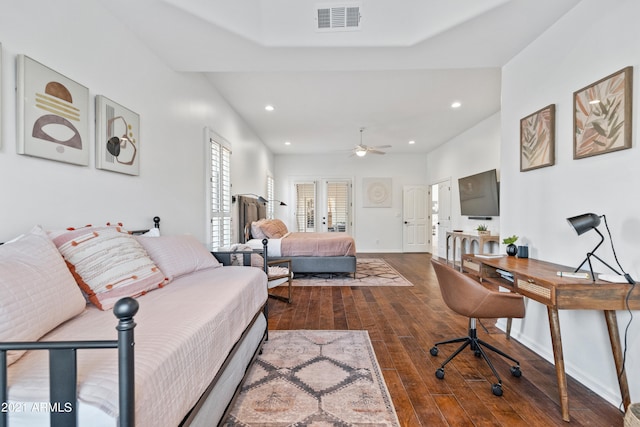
<point x="602" y="115"/>
<point x="52" y="114"/>
<point x="537" y="139"/>
<point x="117" y="137"/>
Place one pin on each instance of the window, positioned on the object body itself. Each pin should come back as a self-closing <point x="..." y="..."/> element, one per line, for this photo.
<point x="338" y="205"/>
<point x="271" y="198"/>
<point x="220" y="152"/>
<point x="305" y="206"/>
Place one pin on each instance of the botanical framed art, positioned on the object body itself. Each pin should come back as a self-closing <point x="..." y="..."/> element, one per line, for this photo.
<point x="52" y="114"/>
<point x="117" y="137"/>
<point x="602" y="115"/>
<point x="537" y="139"/>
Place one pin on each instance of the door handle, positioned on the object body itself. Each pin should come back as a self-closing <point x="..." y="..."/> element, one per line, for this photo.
<point x="406" y="222"/>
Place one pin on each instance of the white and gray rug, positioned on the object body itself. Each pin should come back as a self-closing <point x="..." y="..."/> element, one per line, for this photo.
<point x="369" y="272"/>
<point x="315" y="378"/>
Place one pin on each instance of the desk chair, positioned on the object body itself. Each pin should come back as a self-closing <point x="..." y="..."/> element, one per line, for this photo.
<point x="470" y="298"/>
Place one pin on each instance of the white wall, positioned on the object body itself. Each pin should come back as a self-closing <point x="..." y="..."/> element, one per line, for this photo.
<point x="376" y="229"/>
<point x="82" y="40"/>
<point x="590" y="42"/>
<point x="476" y="150"/>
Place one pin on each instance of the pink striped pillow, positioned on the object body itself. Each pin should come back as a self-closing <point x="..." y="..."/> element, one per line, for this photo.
<point x="108" y="264"/>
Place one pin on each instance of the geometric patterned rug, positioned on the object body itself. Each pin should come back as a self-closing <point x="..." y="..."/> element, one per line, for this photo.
<point x="369" y="272"/>
<point x="314" y="378"/>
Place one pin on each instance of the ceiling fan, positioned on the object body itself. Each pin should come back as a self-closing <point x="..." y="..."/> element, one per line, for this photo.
<point x="361" y="149"/>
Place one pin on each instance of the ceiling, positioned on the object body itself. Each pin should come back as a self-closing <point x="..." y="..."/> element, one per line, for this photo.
<point x="396" y="76"/>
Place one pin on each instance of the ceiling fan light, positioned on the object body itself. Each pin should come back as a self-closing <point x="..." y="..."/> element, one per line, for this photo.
<point x="361" y="153"/>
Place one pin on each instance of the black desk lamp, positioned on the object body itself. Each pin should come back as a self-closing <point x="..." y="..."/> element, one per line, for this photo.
<point x="590" y="221"/>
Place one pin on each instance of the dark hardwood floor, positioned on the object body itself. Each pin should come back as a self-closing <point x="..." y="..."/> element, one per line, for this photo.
<point x="404" y="322"/>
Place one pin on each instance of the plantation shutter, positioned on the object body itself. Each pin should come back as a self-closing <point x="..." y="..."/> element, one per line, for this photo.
<point x="271" y="197"/>
<point x="306" y="206"/>
<point x="220" y="194"/>
<point x="338" y="206"/>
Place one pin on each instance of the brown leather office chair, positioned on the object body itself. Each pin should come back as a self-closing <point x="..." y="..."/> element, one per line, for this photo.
<point x="470" y="298"/>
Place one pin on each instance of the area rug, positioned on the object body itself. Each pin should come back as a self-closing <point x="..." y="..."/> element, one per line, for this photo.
<point x="369" y="272"/>
<point x="314" y="378"/>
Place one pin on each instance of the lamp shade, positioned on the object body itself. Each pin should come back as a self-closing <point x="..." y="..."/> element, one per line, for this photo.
<point x="585" y="222"/>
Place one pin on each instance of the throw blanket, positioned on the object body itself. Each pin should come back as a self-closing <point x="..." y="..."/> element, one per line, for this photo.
<point x="318" y="244"/>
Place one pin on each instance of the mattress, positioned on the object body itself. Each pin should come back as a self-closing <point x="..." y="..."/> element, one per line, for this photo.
<point x="319" y="244"/>
<point x="184" y="333"/>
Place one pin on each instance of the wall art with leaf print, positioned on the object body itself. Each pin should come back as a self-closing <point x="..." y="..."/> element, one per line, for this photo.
<point x="537" y="139"/>
<point x="602" y="115"/>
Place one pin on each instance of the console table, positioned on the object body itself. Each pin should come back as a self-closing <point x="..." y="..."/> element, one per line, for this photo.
<point x="453" y="237"/>
<point x="539" y="281"/>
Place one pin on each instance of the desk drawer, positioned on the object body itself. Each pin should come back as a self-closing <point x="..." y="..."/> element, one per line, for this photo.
<point x="466" y="263"/>
<point x="533" y="290"/>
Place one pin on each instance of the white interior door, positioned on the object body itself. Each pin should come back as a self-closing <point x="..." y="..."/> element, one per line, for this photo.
<point x="416" y="235"/>
<point x="441" y="216"/>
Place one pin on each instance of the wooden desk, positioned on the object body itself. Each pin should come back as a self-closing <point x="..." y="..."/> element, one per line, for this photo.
<point x="453" y="237"/>
<point x="538" y="280"/>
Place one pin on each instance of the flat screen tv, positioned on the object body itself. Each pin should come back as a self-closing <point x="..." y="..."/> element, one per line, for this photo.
<point x="479" y="194"/>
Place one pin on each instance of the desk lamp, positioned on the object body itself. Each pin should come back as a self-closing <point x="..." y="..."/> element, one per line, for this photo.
<point x="281" y="202"/>
<point x="590" y="221"/>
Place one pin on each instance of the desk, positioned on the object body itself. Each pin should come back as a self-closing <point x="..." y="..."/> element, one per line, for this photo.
<point x="538" y="280"/>
<point x="454" y="236"/>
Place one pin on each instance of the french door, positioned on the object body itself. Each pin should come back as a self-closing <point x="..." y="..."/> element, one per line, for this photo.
<point x="324" y="205"/>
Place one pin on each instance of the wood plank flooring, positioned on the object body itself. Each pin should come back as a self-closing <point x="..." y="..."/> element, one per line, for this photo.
<point x="404" y="322"/>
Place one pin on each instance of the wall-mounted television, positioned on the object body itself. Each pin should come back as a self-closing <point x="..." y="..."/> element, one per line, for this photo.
<point x="480" y="195"/>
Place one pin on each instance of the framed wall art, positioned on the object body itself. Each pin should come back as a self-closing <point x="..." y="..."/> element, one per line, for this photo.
<point x="52" y="114"/>
<point x="602" y="115"/>
<point x="376" y="193"/>
<point x="537" y="139"/>
<point x="117" y="137"/>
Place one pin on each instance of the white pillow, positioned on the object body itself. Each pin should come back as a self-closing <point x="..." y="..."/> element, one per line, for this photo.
<point x="256" y="230"/>
<point x="108" y="264"/>
<point x="178" y="255"/>
<point x="37" y="290"/>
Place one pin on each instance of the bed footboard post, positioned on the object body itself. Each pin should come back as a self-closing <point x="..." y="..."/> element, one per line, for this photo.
<point x="3" y="387"/>
<point x="124" y="310"/>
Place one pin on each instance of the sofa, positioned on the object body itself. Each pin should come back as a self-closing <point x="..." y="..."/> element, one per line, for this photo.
<point x="196" y="325"/>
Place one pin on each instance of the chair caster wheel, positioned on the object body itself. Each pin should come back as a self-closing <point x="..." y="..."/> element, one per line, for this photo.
<point x="516" y="372"/>
<point x="477" y="353"/>
<point x="497" y="389"/>
<point x="440" y="373"/>
<point x="434" y="351"/>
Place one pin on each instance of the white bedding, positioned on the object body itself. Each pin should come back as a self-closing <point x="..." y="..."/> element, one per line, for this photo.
<point x="274" y="246"/>
<point x="183" y="335"/>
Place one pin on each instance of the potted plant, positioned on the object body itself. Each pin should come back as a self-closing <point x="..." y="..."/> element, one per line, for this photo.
<point x="512" y="249"/>
<point x="482" y="229"/>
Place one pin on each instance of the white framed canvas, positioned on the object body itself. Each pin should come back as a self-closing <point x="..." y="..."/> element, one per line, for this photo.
<point x="117" y="137"/>
<point x="376" y="193"/>
<point x="52" y="113"/>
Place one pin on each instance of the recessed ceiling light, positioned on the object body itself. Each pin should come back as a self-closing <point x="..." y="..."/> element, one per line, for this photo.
<point x="287" y="143"/>
<point x="269" y="108"/>
<point x="412" y="142"/>
<point x="456" y="104"/>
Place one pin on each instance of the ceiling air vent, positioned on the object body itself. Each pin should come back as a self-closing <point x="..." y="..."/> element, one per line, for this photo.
<point x="338" y="17"/>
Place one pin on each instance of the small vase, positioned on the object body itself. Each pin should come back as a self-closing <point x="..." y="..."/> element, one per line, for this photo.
<point x="512" y="249"/>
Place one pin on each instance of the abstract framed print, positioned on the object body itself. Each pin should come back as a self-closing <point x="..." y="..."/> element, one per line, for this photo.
<point x="537" y="139"/>
<point x="602" y="115"/>
<point x="117" y="137"/>
<point x="52" y="114"/>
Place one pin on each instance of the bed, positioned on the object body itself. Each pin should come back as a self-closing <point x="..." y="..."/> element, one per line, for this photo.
<point x="196" y="334"/>
<point x="309" y="252"/>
